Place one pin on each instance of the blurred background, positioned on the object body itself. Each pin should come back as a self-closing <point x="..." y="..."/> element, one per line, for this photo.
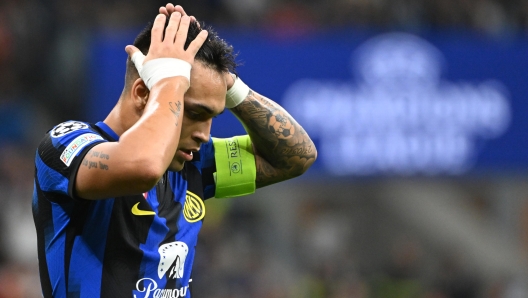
<point x="418" y="109"/>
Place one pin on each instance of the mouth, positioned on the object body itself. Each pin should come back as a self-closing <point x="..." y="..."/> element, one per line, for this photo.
<point x="186" y="154"/>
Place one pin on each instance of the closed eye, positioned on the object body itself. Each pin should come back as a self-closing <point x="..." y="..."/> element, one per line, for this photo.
<point x="197" y="111"/>
<point x="192" y="114"/>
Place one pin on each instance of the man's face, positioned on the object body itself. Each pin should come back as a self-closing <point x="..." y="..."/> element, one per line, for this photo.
<point x="204" y="100"/>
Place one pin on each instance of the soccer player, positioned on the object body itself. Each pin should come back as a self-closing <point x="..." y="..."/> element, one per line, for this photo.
<point x="118" y="204"/>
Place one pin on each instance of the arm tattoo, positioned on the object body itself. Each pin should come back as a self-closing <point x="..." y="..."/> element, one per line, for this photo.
<point x="175" y="109"/>
<point x="96" y="160"/>
<point x="283" y="149"/>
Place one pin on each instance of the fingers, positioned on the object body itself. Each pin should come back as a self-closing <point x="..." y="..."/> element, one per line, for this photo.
<point x="136" y="56"/>
<point x="157" y="29"/>
<point x="197" y="43"/>
<point x="170" y="44"/>
<point x="179" y="9"/>
<point x="167" y="9"/>
<point x="170" y="8"/>
<point x="172" y="28"/>
<point x="181" y="35"/>
<point x="131" y="50"/>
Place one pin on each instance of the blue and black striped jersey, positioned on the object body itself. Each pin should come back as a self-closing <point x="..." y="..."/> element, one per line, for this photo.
<point x="133" y="246"/>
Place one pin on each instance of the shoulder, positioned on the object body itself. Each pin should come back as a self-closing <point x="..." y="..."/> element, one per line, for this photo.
<point x="65" y="128"/>
<point x="56" y="157"/>
<point x="68" y="131"/>
<point x="64" y="141"/>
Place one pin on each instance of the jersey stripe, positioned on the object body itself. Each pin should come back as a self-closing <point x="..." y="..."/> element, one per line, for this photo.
<point x="88" y="245"/>
<point x="53" y="180"/>
<point x="170" y="210"/>
<point x="55" y="249"/>
<point x="131" y="230"/>
<point x="42" y="223"/>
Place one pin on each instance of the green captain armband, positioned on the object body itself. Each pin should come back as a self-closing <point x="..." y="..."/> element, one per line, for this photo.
<point x="235" y="167"/>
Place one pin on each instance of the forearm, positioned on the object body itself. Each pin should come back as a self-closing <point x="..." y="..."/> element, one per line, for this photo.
<point x="158" y="130"/>
<point x="143" y="153"/>
<point x="285" y="149"/>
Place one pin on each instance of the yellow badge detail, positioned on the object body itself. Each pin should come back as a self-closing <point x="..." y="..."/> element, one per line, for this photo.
<point x="137" y="211"/>
<point x="194" y="209"/>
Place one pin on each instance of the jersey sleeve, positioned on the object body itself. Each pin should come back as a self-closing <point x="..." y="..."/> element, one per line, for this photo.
<point x="59" y="156"/>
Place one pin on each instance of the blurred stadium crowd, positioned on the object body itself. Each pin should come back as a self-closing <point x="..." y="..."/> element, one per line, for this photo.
<point x="43" y="81"/>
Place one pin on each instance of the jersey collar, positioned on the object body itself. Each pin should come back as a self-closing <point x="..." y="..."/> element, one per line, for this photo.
<point x="108" y="130"/>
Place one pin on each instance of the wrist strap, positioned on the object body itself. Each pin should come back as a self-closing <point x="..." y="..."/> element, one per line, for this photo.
<point x="236" y="94"/>
<point x="157" y="69"/>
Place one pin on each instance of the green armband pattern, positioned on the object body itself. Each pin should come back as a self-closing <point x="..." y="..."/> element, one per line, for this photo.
<point x="235" y="167"/>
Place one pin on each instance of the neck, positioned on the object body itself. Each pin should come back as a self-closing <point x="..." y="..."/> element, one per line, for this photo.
<point x="118" y="119"/>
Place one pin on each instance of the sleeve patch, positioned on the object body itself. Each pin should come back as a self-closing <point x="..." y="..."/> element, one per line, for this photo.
<point x="66" y="128"/>
<point x="77" y="145"/>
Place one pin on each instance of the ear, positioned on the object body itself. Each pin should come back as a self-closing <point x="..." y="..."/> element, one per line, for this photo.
<point x="140" y="94"/>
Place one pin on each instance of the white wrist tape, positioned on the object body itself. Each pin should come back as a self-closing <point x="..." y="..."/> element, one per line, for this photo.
<point x="157" y="69"/>
<point x="236" y="94"/>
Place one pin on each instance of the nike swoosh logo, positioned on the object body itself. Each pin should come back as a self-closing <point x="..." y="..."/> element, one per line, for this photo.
<point x="136" y="211"/>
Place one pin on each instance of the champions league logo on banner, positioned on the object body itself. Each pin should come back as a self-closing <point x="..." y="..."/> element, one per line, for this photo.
<point x="399" y="116"/>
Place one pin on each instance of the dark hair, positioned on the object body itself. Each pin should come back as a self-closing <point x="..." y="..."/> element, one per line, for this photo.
<point x="215" y="52"/>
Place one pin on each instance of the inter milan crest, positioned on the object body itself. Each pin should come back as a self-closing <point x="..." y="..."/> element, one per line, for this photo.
<point x="67" y="127"/>
<point x="194" y="208"/>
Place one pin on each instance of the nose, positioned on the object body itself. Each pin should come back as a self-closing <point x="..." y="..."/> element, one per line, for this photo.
<point x="202" y="132"/>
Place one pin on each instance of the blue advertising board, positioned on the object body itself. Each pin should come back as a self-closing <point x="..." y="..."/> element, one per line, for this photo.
<point x="377" y="103"/>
